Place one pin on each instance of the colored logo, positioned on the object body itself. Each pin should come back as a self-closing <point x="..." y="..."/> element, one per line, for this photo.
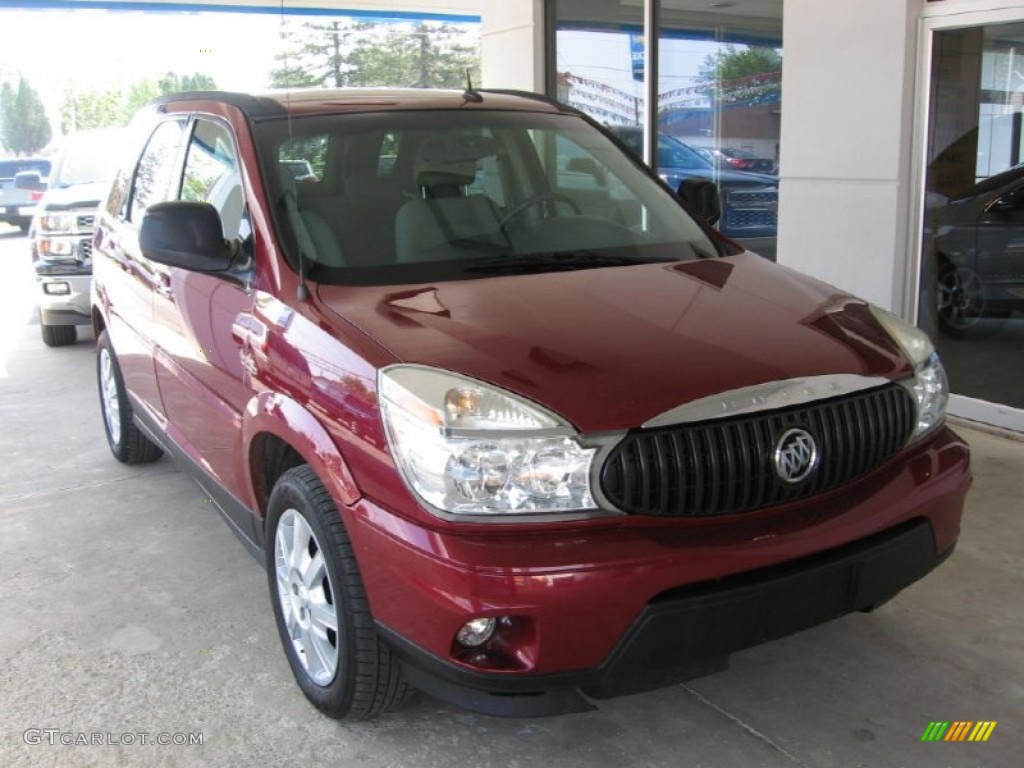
<point x="796" y="455"/>
<point x="959" y="730"/>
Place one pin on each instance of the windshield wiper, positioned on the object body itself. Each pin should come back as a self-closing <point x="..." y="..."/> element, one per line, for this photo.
<point x="551" y="262"/>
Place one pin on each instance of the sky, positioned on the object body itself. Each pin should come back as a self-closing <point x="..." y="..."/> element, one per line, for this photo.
<point x="96" y="50"/>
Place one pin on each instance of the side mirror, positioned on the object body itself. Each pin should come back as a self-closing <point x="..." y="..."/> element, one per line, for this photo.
<point x="702" y="196"/>
<point x="1010" y="201"/>
<point x="30" y="181"/>
<point x="186" y="235"/>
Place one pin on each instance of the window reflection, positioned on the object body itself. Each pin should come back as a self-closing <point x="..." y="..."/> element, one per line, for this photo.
<point x="972" y="269"/>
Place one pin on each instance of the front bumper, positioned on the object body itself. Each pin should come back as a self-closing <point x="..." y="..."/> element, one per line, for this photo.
<point x="634" y="603"/>
<point x="689" y="632"/>
<point x="69" y="306"/>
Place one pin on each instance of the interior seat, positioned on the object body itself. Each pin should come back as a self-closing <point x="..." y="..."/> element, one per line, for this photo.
<point x="444" y="213"/>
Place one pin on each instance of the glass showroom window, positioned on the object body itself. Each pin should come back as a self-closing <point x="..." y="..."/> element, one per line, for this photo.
<point x="972" y="260"/>
<point x="719" y="104"/>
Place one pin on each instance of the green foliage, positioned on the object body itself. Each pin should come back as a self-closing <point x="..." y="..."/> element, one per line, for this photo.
<point x="101" y="109"/>
<point x="24" y="126"/>
<point x="423" y="55"/>
<point x="736" y="62"/>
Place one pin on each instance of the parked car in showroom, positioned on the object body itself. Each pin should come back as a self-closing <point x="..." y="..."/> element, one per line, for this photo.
<point x="22" y="181"/>
<point x="736" y="159"/>
<point x="61" y="233"/>
<point x="979" y="252"/>
<point x="750" y="202"/>
<point x="487" y="444"/>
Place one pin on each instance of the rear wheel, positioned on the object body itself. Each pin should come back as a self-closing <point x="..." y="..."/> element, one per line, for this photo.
<point x="322" y="613"/>
<point x="127" y="442"/>
<point x="58" y="335"/>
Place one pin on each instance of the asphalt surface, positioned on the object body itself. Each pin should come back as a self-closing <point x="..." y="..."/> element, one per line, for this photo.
<point x="128" y="608"/>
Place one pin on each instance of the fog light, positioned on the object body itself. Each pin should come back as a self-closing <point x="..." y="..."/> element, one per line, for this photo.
<point x="57" y="289"/>
<point x="476" y="632"/>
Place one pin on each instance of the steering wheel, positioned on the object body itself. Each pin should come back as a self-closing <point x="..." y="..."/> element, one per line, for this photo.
<point x="535" y="200"/>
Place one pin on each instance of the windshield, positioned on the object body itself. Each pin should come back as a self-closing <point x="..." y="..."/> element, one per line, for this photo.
<point x="415" y="196"/>
<point x="10" y="168"/>
<point x="88" y="157"/>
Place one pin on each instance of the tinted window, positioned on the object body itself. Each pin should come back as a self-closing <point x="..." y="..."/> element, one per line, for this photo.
<point x="212" y="175"/>
<point x="155" y="173"/>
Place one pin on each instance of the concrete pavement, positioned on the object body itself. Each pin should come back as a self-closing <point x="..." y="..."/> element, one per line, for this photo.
<point x="128" y="607"/>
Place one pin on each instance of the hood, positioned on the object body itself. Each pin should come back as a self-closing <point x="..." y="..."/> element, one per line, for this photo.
<point x="610" y="348"/>
<point x="76" y="196"/>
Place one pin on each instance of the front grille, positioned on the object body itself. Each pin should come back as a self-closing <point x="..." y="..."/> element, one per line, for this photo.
<point x="85" y="249"/>
<point x="767" y="197"/>
<point x="751" y="218"/>
<point x="86" y="223"/>
<point x="727" y="466"/>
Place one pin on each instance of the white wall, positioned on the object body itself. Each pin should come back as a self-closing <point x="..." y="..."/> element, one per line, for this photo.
<point x="847" y="118"/>
<point x="512" y="42"/>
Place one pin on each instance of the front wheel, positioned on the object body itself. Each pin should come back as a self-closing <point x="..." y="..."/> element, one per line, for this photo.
<point x="127" y="442"/>
<point x="58" y="335"/>
<point x="320" y="605"/>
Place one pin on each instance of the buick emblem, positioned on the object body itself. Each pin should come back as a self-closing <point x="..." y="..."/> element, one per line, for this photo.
<point x="796" y="455"/>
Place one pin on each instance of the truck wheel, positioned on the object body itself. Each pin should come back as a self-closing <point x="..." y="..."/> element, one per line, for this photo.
<point x="320" y="605"/>
<point x="58" y="335"/>
<point x="127" y="442"/>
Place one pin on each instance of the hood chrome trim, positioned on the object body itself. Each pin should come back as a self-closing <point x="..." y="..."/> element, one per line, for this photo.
<point x="770" y="396"/>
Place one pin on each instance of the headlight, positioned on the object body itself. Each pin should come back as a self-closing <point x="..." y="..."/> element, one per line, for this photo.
<point x="57" y="246"/>
<point x="56" y="222"/>
<point x="929" y="386"/>
<point x="469" y="448"/>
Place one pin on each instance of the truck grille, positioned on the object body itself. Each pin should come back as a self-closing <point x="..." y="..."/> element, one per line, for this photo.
<point x="751" y="208"/>
<point x="86" y="223"/>
<point x="727" y="466"/>
<point x="85" y="249"/>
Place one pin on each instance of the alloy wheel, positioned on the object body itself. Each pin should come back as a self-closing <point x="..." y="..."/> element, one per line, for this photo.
<point x="306" y="595"/>
<point x="108" y="396"/>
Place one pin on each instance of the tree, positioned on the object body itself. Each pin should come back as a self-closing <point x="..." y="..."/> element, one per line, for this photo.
<point x="314" y="54"/>
<point x="100" y="109"/>
<point x="172" y="82"/>
<point x="742" y="73"/>
<point x="424" y="55"/>
<point x="92" y="109"/>
<point x="24" y="126"/>
<point x="427" y="56"/>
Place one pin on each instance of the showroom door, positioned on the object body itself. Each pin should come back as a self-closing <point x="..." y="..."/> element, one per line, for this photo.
<point x="971" y="269"/>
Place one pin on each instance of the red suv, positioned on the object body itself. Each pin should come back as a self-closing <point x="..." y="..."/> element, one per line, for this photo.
<point x="513" y="440"/>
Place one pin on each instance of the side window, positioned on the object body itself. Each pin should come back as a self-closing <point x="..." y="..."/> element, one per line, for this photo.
<point x="155" y="173"/>
<point x="212" y="176"/>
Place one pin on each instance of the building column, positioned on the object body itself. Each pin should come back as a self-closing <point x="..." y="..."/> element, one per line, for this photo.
<point x="512" y="44"/>
<point x="847" y="121"/>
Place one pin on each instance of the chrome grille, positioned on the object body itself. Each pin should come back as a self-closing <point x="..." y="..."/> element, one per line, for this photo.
<point x="85" y="249"/>
<point x="86" y="222"/>
<point x="764" y="197"/>
<point x="726" y="466"/>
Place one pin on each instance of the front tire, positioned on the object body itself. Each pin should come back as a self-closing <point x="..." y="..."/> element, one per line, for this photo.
<point x="127" y="442"/>
<point x="320" y="605"/>
<point x="58" y="335"/>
